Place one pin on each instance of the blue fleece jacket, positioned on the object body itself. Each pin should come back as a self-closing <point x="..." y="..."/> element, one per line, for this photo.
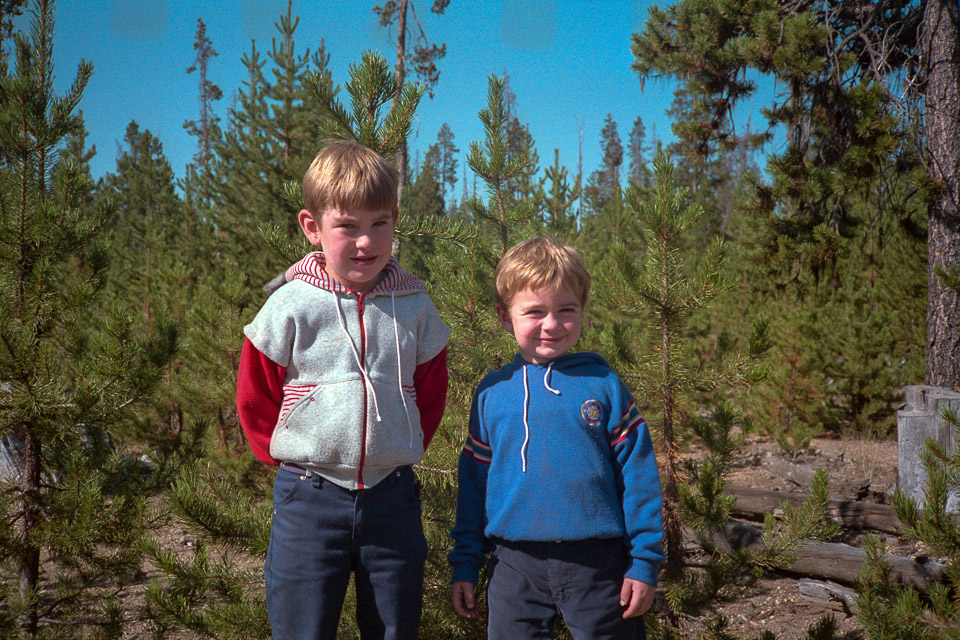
<point x="557" y="452"/>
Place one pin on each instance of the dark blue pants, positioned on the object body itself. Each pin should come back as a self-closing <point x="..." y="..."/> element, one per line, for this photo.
<point x="531" y="583"/>
<point x="321" y="533"/>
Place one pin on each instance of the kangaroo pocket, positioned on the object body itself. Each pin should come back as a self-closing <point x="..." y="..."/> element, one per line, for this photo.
<point x="322" y="427"/>
<point x="393" y="441"/>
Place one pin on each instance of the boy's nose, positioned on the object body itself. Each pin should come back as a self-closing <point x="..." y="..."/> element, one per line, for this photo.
<point x="550" y="321"/>
<point x="364" y="240"/>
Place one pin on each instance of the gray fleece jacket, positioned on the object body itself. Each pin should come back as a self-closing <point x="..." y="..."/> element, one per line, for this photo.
<point x="349" y="411"/>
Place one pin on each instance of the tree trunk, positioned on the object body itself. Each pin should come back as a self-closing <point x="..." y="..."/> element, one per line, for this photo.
<point x="940" y="46"/>
<point x="672" y="530"/>
<point x="30" y="501"/>
<point x="401" y="76"/>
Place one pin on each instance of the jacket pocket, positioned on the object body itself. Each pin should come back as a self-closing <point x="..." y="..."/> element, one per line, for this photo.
<point x="322" y="427"/>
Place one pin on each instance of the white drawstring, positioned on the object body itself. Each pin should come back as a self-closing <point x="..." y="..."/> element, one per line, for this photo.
<point x="356" y="353"/>
<point x="526" y="408"/>
<point x="546" y="380"/>
<point x="396" y="335"/>
<point x="526" y="425"/>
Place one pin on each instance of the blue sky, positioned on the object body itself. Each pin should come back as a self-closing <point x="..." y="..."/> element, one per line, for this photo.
<point x="568" y="63"/>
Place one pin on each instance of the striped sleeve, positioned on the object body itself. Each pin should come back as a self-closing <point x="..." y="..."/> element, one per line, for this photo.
<point x="477" y="449"/>
<point x="630" y="421"/>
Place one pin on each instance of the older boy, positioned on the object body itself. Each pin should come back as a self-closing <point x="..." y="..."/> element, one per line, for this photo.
<point x="342" y="384"/>
<point x="558" y="471"/>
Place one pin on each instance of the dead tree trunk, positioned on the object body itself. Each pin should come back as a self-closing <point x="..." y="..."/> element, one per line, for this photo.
<point x="940" y="47"/>
<point x="856" y="515"/>
<point x="826" y="560"/>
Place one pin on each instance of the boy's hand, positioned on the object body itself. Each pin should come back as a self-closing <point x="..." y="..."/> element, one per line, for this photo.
<point x="636" y="596"/>
<point x="463" y="600"/>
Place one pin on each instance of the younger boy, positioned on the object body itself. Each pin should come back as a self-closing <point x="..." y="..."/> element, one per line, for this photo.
<point x="558" y="473"/>
<point x="342" y="384"/>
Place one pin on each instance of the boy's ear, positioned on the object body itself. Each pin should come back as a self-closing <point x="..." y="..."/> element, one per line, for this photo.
<point x="396" y="215"/>
<point x="504" y="314"/>
<point x="310" y="227"/>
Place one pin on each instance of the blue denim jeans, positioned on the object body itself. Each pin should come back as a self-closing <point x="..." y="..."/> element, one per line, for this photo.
<point x="531" y="583"/>
<point x="321" y="533"/>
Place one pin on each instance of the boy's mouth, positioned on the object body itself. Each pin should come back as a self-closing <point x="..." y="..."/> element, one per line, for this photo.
<point x="365" y="261"/>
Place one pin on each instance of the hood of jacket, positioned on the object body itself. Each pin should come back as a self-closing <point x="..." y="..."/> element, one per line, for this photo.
<point x="395" y="280"/>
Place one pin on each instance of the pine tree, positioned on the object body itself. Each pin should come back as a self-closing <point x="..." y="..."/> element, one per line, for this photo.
<point x="270" y="139"/>
<point x="848" y="182"/>
<point x="560" y="197"/>
<point x="662" y="288"/>
<point x="71" y="372"/>
<point x="603" y="188"/>
<point x="637" y="149"/>
<point x="447" y="170"/>
<point x="423" y="200"/>
<point x="205" y="129"/>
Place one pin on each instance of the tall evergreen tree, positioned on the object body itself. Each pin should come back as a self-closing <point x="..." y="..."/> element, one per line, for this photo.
<point x="603" y="188"/>
<point x="205" y="128"/>
<point x="447" y="170"/>
<point x="270" y="139"/>
<point x="70" y="372"/>
<point x="559" y="197"/>
<point x="850" y="173"/>
<point x="149" y="217"/>
<point x="423" y="200"/>
<point x="661" y="288"/>
<point x="638" y="150"/>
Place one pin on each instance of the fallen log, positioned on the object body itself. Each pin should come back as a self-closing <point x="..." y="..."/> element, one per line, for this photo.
<point x="854" y="515"/>
<point x="829" y="595"/>
<point x="825" y="560"/>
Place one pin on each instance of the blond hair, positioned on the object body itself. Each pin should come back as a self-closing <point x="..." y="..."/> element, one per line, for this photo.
<point x="347" y="175"/>
<point x="540" y="263"/>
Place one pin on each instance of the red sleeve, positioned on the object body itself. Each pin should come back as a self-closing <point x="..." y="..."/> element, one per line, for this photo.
<point x="430" y="382"/>
<point x="259" y="397"/>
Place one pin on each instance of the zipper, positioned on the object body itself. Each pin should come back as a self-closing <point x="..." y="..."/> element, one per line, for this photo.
<point x="363" y="382"/>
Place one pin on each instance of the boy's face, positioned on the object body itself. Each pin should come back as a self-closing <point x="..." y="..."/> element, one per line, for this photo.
<point x="357" y="243"/>
<point x="545" y="322"/>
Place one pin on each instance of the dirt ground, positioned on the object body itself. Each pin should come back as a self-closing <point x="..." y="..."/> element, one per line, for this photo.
<point x="858" y="470"/>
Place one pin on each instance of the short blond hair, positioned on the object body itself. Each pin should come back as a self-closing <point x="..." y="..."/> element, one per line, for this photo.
<point x="540" y="263"/>
<point x="347" y="175"/>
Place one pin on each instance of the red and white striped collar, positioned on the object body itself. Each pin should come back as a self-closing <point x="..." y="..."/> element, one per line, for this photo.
<point x="311" y="270"/>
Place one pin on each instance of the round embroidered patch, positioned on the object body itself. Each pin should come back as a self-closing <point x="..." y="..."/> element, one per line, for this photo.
<point x="592" y="412"/>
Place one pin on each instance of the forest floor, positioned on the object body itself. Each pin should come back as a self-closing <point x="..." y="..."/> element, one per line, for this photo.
<point x="858" y="470"/>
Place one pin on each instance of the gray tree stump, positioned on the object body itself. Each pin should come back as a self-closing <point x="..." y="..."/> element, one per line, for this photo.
<point x="918" y="420"/>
